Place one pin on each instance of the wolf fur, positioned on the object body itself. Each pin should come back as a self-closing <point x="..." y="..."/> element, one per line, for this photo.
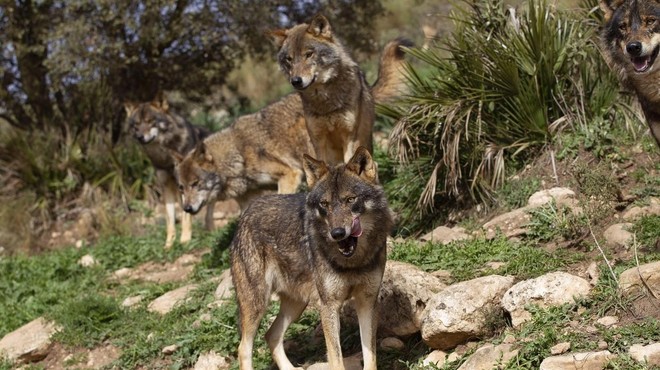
<point x="630" y="41"/>
<point x="327" y="245"/>
<point x="337" y="101"/>
<point x="161" y="132"/>
<point x="263" y="150"/>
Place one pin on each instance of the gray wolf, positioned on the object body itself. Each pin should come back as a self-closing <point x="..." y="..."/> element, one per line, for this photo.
<point x="325" y="246"/>
<point x="337" y="101"/>
<point x="630" y="41"/>
<point x="264" y="150"/>
<point x="258" y="152"/>
<point x="161" y="132"/>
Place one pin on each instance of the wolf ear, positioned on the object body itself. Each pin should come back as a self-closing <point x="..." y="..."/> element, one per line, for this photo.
<point x="363" y="165"/>
<point x="319" y="26"/>
<point x="278" y="37"/>
<point x="314" y="169"/>
<point x="176" y="156"/>
<point x="130" y="107"/>
<point x="160" y="101"/>
<point x="608" y="7"/>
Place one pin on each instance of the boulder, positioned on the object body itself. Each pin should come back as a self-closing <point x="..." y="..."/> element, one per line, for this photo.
<point x="211" y="361"/>
<point x="582" y="361"/>
<point x="561" y="196"/>
<point x="445" y="235"/>
<point x="169" y="300"/>
<point x="641" y="278"/>
<point x="29" y="343"/>
<point x="490" y="357"/>
<point x="617" y="235"/>
<point x="648" y="355"/>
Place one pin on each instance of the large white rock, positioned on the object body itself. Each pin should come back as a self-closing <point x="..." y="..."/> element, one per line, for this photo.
<point x="445" y="235"/>
<point x="490" y="357"/>
<point x="510" y="224"/>
<point x="552" y="289"/>
<point x="582" y="361"/>
<point x="649" y="354"/>
<point x="561" y="196"/>
<point x="461" y="311"/>
<point x="631" y="283"/>
<point x="169" y="300"/>
<point x="29" y="343"/>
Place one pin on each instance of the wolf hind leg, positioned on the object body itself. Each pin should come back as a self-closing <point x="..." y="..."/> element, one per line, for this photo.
<point x="251" y="311"/>
<point x="290" y="311"/>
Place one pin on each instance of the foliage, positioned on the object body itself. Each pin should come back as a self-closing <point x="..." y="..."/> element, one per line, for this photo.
<point x="507" y="85"/>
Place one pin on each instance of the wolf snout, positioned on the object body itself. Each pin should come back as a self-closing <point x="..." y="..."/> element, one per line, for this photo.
<point x="634" y="48"/>
<point x="297" y="82"/>
<point x="338" y="233"/>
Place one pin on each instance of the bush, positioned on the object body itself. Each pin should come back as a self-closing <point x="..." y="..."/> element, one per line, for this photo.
<point x="499" y="90"/>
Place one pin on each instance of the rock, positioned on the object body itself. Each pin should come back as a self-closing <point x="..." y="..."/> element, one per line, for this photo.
<point x="122" y="273"/>
<point x="552" y="289"/>
<point x="169" y="349"/>
<point x="392" y="343"/>
<point x="582" y="361"/>
<point x="211" y="361"/>
<point x="561" y="196"/>
<point x="511" y="223"/>
<point x="560" y="348"/>
<point x="101" y="357"/>
<point x="461" y="311"/>
<point x="437" y="358"/>
<point x="87" y="261"/>
<point x="167" y="301"/>
<point x="350" y="363"/>
<point x="225" y="286"/>
<point x="131" y="301"/>
<point x="445" y="235"/>
<point x="630" y="282"/>
<point x="602" y="345"/>
<point x="608" y="320"/>
<point x="634" y="213"/>
<point x="29" y="343"/>
<point x="649" y="354"/>
<point x="593" y="273"/>
<point x="404" y="294"/>
<point x="490" y="357"/>
<point x="618" y="235"/>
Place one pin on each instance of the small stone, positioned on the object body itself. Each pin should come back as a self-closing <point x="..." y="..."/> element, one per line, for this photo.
<point x="509" y="339"/>
<point x="392" y="343"/>
<point x="131" y="301"/>
<point x="608" y="321"/>
<point x="560" y="348"/>
<point x="437" y="358"/>
<point x="170" y="349"/>
<point x="87" y="261"/>
<point x="602" y="345"/>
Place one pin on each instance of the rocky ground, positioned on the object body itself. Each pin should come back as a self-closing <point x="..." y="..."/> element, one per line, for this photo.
<point x="478" y="323"/>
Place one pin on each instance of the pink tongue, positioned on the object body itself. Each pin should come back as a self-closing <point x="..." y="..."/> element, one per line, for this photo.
<point x="356" y="228"/>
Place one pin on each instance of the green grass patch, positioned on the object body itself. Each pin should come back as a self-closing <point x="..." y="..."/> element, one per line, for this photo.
<point x="466" y="260"/>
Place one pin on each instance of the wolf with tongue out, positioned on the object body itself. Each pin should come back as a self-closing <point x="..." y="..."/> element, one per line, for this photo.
<point x="327" y="245"/>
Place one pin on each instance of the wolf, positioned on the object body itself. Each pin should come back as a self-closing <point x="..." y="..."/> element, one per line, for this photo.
<point x="263" y="151"/>
<point x="630" y="39"/>
<point x="161" y="132"/>
<point x="337" y="101"/>
<point x="259" y="152"/>
<point x="326" y="246"/>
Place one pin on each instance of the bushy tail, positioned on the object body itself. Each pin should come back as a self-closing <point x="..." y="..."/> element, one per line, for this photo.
<point x="391" y="82"/>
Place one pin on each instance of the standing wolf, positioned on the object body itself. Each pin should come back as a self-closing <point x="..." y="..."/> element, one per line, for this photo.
<point x="162" y="132"/>
<point x="327" y="245"/>
<point x="631" y="41"/>
<point x="264" y="150"/>
<point x="337" y="101"/>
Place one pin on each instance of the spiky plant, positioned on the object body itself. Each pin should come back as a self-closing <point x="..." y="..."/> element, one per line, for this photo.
<point x="500" y="88"/>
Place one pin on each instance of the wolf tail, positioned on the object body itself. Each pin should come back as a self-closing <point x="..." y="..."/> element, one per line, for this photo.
<point x="391" y="82"/>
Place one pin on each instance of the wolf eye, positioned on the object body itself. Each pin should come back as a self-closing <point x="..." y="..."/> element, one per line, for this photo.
<point x="350" y="200"/>
<point x="194" y="183"/>
<point x="180" y="188"/>
<point x="650" y="21"/>
<point x="309" y="54"/>
<point x="622" y="27"/>
<point x="324" y="203"/>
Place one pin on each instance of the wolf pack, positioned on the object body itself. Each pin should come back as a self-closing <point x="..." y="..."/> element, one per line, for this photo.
<point x="325" y="245"/>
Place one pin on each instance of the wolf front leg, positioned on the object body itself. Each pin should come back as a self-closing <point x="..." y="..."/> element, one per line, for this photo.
<point x="168" y="187"/>
<point x="331" y="329"/>
<point x="366" y="312"/>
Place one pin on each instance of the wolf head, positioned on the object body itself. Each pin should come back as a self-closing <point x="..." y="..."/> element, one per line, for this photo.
<point x="197" y="179"/>
<point x="632" y="33"/>
<point x="148" y="121"/>
<point x="347" y="206"/>
<point x="309" y="53"/>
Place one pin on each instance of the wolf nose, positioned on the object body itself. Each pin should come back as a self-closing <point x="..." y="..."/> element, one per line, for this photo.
<point x="296" y="81"/>
<point x="634" y="48"/>
<point x="188" y="208"/>
<point x="338" y="233"/>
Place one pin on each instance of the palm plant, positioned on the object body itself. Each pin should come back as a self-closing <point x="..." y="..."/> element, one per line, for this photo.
<point x="499" y="89"/>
